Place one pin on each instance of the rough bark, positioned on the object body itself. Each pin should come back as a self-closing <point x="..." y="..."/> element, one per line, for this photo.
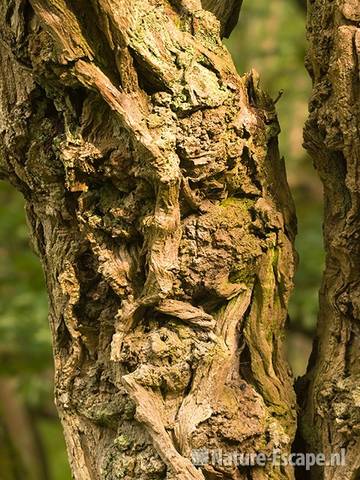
<point x="331" y="416"/>
<point x="158" y="205"/>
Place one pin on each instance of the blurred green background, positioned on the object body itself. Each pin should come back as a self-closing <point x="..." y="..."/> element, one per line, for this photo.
<point x="270" y="37"/>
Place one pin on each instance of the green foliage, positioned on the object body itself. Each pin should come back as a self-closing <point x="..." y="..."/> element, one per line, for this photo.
<point x="303" y="307"/>
<point x="270" y="38"/>
<point x="51" y="434"/>
<point x="24" y="332"/>
<point x="25" y="338"/>
<point x="25" y="345"/>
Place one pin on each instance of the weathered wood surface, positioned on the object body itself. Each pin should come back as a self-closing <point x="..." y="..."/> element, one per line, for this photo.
<point x="158" y="205"/>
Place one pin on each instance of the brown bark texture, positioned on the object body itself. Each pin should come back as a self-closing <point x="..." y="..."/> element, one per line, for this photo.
<point x="331" y="388"/>
<point x="158" y="204"/>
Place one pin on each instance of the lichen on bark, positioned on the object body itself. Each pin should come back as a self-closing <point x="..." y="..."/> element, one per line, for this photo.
<point x="158" y="205"/>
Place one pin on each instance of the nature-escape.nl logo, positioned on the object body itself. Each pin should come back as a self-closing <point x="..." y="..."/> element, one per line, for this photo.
<point x="204" y="456"/>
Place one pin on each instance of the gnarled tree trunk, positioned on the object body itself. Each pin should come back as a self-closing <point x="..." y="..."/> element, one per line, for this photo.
<point x="331" y="416"/>
<point x="158" y="205"/>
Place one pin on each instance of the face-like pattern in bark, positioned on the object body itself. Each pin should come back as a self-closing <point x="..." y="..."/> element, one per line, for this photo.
<point x="159" y="207"/>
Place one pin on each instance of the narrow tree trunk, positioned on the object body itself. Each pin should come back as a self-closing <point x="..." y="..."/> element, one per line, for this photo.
<point x="158" y="204"/>
<point x="22" y="435"/>
<point x="331" y="417"/>
<point x="10" y="464"/>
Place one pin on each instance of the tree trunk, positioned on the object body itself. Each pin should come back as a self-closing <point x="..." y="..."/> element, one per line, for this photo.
<point x="158" y="204"/>
<point x="331" y="388"/>
<point x="21" y="434"/>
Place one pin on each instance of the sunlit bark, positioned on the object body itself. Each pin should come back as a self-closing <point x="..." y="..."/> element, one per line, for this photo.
<point x="159" y="207"/>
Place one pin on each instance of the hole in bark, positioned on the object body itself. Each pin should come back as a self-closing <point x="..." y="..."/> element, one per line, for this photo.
<point x="208" y="300"/>
<point x="191" y="379"/>
<point x="163" y="390"/>
<point x="249" y="162"/>
<point x="64" y="337"/>
<point x="245" y="366"/>
<point x="9" y="12"/>
<point x="77" y="97"/>
<point x="246" y="135"/>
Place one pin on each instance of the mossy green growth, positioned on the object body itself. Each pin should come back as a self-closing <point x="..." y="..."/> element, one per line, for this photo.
<point x="104" y="418"/>
<point x="243" y="275"/>
<point x="129" y="410"/>
<point x="122" y="442"/>
<point x="243" y="203"/>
